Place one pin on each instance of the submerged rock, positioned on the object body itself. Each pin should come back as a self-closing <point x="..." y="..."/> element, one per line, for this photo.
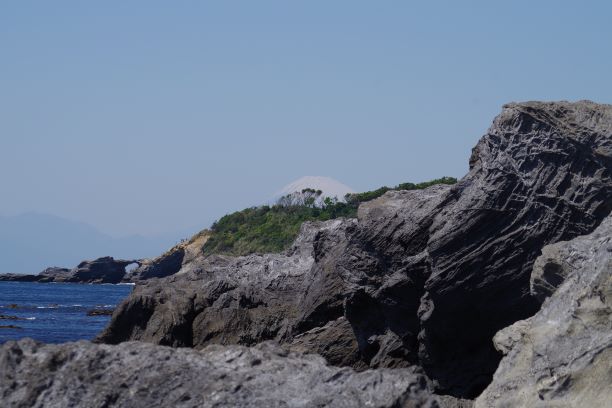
<point x="100" y="312"/>
<point x="421" y="277"/>
<point x="9" y="317"/>
<point x="136" y="375"/>
<point x="562" y="356"/>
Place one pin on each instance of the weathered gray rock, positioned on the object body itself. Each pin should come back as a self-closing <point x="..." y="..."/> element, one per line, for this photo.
<point x="144" y="375"/>
<point x="562" y="356"/>
<point x="541" y="174"/>
<point x="421" y="277"/>
<point x="222" y="299"/>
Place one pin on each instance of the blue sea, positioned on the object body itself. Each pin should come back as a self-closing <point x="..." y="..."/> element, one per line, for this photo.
<point x="56" y="312"/>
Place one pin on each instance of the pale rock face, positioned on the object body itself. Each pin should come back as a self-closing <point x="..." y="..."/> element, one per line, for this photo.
<point x="562" y="356"/>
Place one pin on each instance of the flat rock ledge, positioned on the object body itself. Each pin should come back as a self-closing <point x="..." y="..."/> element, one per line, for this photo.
<point x="135" y="374"/>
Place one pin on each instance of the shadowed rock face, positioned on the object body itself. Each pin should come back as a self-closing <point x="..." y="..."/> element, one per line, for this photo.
<point x="541" y="174"/>
<point x="421" y="277"/>
<point x="143" y="375"/>
<point x="562" y="356"/>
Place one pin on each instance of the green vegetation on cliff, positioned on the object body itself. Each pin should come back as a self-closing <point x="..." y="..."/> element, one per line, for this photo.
<point x="273" y="228"/>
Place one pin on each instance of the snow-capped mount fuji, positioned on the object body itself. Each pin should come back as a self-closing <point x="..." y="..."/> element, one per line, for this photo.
<point x="330" y="187"/>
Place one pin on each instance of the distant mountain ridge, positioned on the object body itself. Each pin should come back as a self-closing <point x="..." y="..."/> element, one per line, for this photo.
<point x="30" y="242"/>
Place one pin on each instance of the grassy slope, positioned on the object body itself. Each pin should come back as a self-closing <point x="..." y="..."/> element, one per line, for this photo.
<point x="273" y="228"/>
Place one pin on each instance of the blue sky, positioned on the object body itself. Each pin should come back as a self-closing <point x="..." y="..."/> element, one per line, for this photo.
<point x="151" y="117"/>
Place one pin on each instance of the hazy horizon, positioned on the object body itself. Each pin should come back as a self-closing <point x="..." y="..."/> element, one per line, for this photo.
<point x="151" y="119"/>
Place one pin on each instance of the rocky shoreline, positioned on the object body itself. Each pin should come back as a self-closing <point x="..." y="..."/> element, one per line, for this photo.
<point x="101" y="270"/>
<point x="110" y="270"/>
<point x="496" y="289"/>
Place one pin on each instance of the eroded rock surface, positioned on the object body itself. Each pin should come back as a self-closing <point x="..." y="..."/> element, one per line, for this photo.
<point x="421" y="277"/>
<point x="222" y="299"/>
<point x="136" y="375"/>
<point x="562" y="356"/>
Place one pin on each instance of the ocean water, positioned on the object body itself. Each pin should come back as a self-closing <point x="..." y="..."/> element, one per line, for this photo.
<point x="56" y="312"/>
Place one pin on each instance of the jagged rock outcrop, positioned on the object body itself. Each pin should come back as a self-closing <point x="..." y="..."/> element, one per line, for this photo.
<point x="171" y="261"/>
<point x="136" y="375"/>
<point x="541" y="174"/>
<point x="221" y="299"/>
<point x="101" y="270"/>
<point x="562" y="356"/>
<point x="421" y="277"/>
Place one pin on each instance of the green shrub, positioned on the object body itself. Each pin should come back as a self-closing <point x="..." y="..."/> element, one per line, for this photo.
<point x="273" y="228"/>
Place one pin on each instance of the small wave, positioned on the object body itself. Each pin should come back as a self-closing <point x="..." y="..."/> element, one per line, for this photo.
<point x="76" y="305"/>
<point x="30" y="318"/>
<point x="127" y="283"/>
<point x="46" y="307"/>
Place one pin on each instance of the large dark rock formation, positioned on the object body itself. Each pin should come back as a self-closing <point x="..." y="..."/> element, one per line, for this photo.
<point x="562" y="356"/>
<point x="542" y="173"/>
<point x="143" y="375"/>
<point x="101" y="270"/>
<point x="421" y="277"/>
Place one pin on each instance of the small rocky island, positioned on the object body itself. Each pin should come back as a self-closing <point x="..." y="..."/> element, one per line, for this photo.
<point x="101" y="270"/>
<point x="495" y="291"/>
